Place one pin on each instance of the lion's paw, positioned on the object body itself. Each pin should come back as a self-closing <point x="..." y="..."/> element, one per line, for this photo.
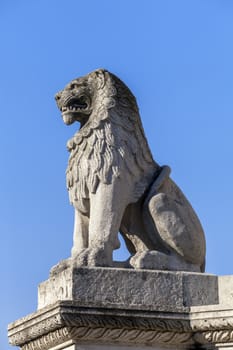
<point x="61" y="266"/>
<point x="92" y="257"/>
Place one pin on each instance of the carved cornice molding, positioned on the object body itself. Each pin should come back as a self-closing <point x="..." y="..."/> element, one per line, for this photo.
<point x="49" y="340"/>
<point x="214" y="337"/>
<point x="67" y="321"/>
<point x="131" y="336"/>
<point x="218" y="330"/>
<point x="128" y="321"/>
<point x="35" y="325"/>
<point x="104" y="335"/>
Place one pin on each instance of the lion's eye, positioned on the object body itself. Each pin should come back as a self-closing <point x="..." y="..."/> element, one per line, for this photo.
<point x="73" y="86"/>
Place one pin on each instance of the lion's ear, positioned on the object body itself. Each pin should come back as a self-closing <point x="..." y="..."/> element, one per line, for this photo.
<point x="100" y="77"/>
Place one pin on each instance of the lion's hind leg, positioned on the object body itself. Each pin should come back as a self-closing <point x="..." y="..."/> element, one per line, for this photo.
<point x="180" y="236"/>
<point x="179" y="227"/>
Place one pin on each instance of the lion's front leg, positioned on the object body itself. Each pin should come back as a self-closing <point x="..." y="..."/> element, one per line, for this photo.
<point x="80" y="237"/>
<point x="106" y="211"/>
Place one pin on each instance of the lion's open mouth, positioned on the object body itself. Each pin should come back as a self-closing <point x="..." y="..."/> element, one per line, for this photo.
<point x="75" y="105"/>
<point x="76" y="109"/>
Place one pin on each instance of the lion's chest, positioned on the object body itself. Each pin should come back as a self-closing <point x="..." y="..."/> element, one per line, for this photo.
<point x="77" y="176"/>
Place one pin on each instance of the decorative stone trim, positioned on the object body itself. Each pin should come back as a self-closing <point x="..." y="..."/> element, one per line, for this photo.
<point x="83" y="323"/>
<point x="221" y="336"/>
<point x="68" y="321"/>
<point x="130" y="336"/>
<point x="35" y="325"/>
<point x="49" y="340"/>
<point x="105" y="335"/>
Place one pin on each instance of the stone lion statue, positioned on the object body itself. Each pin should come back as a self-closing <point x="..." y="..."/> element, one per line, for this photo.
<point x="116" y="186"/>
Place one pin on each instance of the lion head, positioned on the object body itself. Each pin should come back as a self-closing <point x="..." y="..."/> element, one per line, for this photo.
<point x="83" y="97"/>
<point x="76" y="101"/>
<point x="110" y="138"/>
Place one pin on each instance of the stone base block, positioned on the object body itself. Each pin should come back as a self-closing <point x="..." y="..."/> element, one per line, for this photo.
<point x="105" y="308"/>
<point x="130" y="289"/>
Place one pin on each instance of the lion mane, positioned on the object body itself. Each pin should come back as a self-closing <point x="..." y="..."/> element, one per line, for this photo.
<point x="112" y="140"/>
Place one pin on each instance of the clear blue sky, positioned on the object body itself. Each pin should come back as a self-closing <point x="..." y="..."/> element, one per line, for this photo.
<point x="176" y="56"/>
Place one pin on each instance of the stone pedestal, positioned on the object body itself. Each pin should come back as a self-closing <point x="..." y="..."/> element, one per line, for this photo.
<point x="105" y="308"/>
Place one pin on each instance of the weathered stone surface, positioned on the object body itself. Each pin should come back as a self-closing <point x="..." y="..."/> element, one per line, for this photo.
<point x="225" y="285"/>
<point x="116" y="186"/>
<point x="128" y="308"/>
<point x="129" y="289"/>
